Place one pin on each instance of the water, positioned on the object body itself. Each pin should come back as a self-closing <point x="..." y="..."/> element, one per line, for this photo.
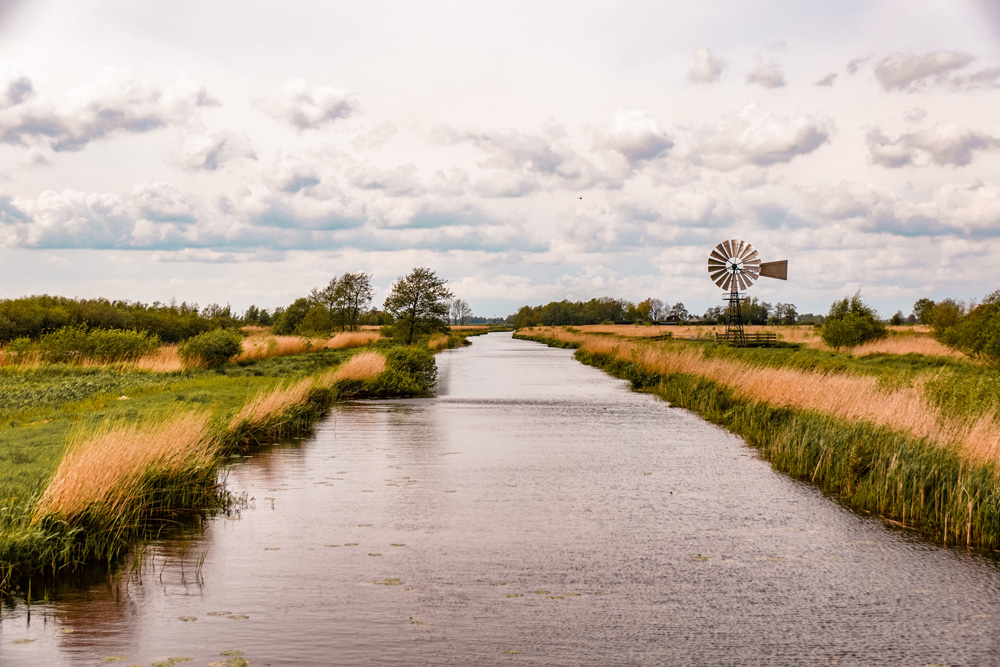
<point x="536" y="512"/>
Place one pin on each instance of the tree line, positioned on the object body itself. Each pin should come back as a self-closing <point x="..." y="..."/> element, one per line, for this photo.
<point x="33" y="316"/>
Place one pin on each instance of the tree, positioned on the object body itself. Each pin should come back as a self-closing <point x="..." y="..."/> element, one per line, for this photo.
<point x="783" y="313"/>
<point x="851" y="322"/>
<point x="680" y="312"/>
<point x="460" y="311"/>
<point x="418" y="303"/>
<point x="977" y="334"/>
<point x="352" y="297"/>
<point x="897" y="319"/>
<point x="316" y="322"/>
<point x="922" y="310"/>
<point x="287" y="321"/>
<point x="943" y="315"/>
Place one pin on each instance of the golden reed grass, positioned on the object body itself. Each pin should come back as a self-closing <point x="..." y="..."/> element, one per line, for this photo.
<point x="850" y="397"/>
<point x="437" y="342"/>
<point x="362" y="366"/>
<point x="269" y="405"/>
<point x="104" y="469"/>
<point x="348" y="339"/>
<point x="906" y="345"/>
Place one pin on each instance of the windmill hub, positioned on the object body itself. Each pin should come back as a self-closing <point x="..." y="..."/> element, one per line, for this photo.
<point x="735" y="265"/>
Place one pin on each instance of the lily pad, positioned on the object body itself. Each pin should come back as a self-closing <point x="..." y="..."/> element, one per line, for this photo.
<point x="541" y="592"/>
<point x="114" y="658"/>
<point x="188" y="618"/>
<point x="331" y="545"/>
<point x="515" y="595"/>
<point x="365" y="525"/>
<point x="350" y="544"/>
<point x="498" y="583"/>
<point x="238" y="617"/>
<point x="375" y="554"/>
<point x="28" y="641"/>
<point x="511" y="651"/>
<point x="397" y="544"/>
<point x="232" y="652"/>
<point x="219" y="613"/>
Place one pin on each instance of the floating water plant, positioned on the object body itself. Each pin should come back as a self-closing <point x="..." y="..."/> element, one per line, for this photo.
<point x="498" y="583"/>
<point x="515" y="595"/>
<point x="365" y="525"/>
<point x="188" y="618"/>
<point x="374" y="554"/>
<point x="397" y="544"/>
<point x="66" y="631"/>
<point x="26" y="641"/>
<point x="219" y="613"/>
<point x="111" y="658"/>
<point x="510" y="651"/>
<point x="238" y="617"/>
<point x="231" y="653"/>
<point x="540" y="592"/>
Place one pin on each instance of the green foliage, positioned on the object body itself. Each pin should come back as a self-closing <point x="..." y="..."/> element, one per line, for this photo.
<point x="943" y="315"/>
<point x="922" y="310"/>
<point x="419" y="305"/>
<point x="976" y="334"/>
<point x="76" y="343"/>
<point x="34" y="316"/>
<point x="212" y="348"/>
<point x="415" y="362"/>
<point x="850" y="323"/>
<point x="286" y="322"/>
<point x="317" y="322"/>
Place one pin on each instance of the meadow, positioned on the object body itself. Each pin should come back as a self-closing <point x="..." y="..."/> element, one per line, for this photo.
<point x="94" y="456"/>
<point x="901" y="429"/>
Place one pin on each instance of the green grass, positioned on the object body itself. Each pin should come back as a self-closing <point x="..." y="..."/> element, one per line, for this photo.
<point x="911" y="481"/>
<point x="56" y="401"/>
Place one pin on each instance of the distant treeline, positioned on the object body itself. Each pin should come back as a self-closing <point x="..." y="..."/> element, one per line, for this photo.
<point x="33" y="316"/>
<point x="607" y="310"/>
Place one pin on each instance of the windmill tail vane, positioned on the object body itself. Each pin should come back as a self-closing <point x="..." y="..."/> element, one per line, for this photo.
<point x="734" y="265"/>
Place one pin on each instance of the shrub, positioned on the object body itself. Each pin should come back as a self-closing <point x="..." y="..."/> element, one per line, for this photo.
<point x="417" y="363"/>
<point x="850" y="323"/>
<point x="75" y="343"/>
<point x="212" y="348"/>
<point x="978" y="333"/>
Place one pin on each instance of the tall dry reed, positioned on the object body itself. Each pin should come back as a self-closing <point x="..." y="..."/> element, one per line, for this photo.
<point x="362" y="366"/>
<point x="850" y="397"/>
<point x="102" y="472"/>
<point x="348" y="339"/>
<point x="268" y="406"/>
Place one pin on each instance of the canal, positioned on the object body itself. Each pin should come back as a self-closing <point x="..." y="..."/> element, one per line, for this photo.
<point x="536" y="512"/>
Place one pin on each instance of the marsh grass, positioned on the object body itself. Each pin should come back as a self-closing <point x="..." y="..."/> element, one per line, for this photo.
<point x="918" y="443"/>
<point x="349" y="339"/>
<point x="362" y="366"/>
<point x="108" y="472"/>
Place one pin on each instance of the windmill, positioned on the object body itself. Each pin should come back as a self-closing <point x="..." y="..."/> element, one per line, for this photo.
<point x="735" y="265"/>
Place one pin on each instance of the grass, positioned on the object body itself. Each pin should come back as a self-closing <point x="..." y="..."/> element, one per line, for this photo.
<point x="93" y="458"/>
<point x="914" y="438"/>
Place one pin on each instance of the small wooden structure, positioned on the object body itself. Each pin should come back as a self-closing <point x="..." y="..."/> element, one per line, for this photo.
<point x="744" y="339"/>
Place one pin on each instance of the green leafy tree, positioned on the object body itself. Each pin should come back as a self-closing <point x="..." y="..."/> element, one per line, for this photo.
<point x="922" y="310"/>
<point x="943" y="315"/>
<point x="419" y="304"/>
<point x="289" y="319"/>
<point x="316" y="322"/>
<point x="897" y="319"/>
<point x="851" y="322"/>
<point x="977" y="334"/>
<point x="352" y="297"/>
<point x="212" y="348"/>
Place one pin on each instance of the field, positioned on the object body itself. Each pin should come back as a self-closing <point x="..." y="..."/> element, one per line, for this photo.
<point x="93" y="457"/>
<point x="911" y="435"/>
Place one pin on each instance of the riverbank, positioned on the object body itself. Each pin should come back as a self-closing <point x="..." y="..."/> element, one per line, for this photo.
<point x="97" y="457"/>
<point x="912" y="438"/>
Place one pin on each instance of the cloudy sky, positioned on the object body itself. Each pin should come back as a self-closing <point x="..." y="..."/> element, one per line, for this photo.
<point x="244" y="152"/>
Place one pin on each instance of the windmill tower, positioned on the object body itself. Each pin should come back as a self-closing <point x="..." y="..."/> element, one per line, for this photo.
<point x="735" y="265"/>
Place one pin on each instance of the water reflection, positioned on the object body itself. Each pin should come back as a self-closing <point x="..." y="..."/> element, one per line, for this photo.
<point x="536" y="511"/>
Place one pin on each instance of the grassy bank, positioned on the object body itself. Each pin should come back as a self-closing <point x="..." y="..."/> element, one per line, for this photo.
<point x="912" y="438"/>
<point x="93" y="458"/>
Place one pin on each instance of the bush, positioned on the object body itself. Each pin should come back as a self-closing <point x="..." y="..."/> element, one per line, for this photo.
<point x="212" y="348"/>
<point x="75" y="343"/>
<point x="850" y="323"/>
<point x="417" y="363"/>
<point x="978" y="333"/>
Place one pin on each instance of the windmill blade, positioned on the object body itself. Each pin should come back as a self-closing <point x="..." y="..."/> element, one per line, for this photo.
<point x="718" y="277"/>
<point x="777" y="269"/>
<point x="750" y="254"/>
<point x="717" y="256"/>
<point x="727" y="249"/>
<point x="738" y="248"/>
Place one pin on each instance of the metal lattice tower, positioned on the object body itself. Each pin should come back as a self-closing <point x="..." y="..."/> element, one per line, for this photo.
<point x="734" y="265"/>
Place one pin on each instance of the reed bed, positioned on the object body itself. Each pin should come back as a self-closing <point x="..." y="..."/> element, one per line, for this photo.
<point x="164" y="360"/>
<point x="906" y="344"/>
<point x="348" y="339"/>
<point x="268" y="407"/>
<point x="263" y="347"/>
<point x="362" y="366"/>
<point x="843" y="396"/>
<point x="107" y="473"/>
<point x="438" y="342"/>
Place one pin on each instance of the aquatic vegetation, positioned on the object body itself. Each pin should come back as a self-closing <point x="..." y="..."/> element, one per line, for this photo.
<point x="238" y="617"/>
<point x="515" y="595"/>
<point x="24" y="641"/>
<point x="511" y="651"/>
<point x="866" y="429"/>
<point x="187" y="619"/>
<point x="219" y="613"/>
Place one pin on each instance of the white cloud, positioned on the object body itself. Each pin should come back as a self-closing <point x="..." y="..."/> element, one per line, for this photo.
<point x="214" y="149"/>
<point x="943" y="144"/>
<point x="635" y="135"/>
<point x="310" y="108"/>
<point x="113" y="104"/>
<point x="756" y="137"/>
<point x="827" y="80"/>
<point x="767" y="75"/>
<point x="910" y="73"/>
<point x="401" y="181"/>
<point x="706" y="67"/>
